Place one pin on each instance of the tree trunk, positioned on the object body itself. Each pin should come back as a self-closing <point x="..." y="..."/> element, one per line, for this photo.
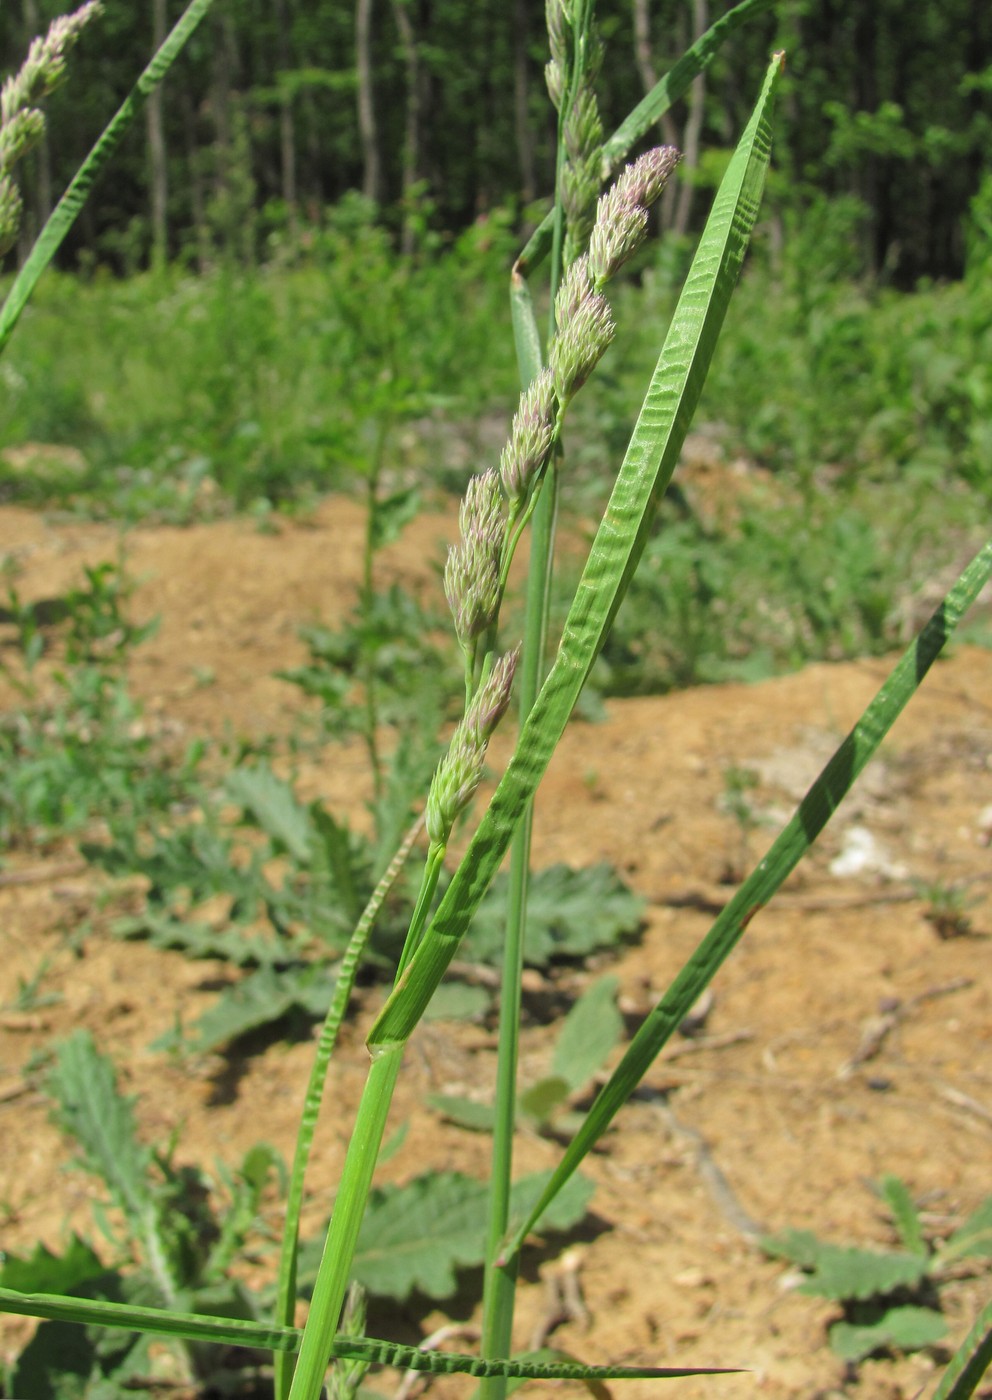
<point x="367" y="127"/>
<point x="521" y="104"/>
<point x="412" y="127"/>
<point x="197" y="197"/>
<point x="694" y="124"/>
<point x="287" y="129"/>
<point x="158" y="164"/>
<point x="666" y="126"/>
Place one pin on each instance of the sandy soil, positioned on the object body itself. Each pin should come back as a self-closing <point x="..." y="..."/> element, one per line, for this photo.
<point x="847" y="1038"/>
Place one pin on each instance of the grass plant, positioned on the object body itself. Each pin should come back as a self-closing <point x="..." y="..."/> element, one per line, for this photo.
<point x="587" y="237"/>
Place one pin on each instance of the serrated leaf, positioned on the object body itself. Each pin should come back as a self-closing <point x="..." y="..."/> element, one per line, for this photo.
<point x="904" y="1213"/>
<point x="589" y="1032"/>
<point x="570" y="913"/>
<point x="798" y="1246"/>
<point x="260" y="999"/>
<point x="416" y="1236"/>
<point x="101" y="1121"/>
<point x="841" y="1273"/>
<point x="974" y="1236"/>
<point x="271" y="802"/>
<point x="44" y="1272"/>
<point x="862" y="1273"/>
<point x="198" y="940"/>
<point x="391" y="514"/>
<point x="467" y="1113"/>
<point x="566" y="1210"/>
<point x="906" y="1328"/>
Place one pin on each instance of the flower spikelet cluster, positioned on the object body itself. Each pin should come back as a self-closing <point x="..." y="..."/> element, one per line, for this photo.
<point x="583" y="127"/>
<point x="530" y="439"/>
<point x="622" y="213"/>
<point x="471" y="575"/>
<point x="460" y="771"/>
<point x="585" y="330"/>
<point x="21" y="123"/>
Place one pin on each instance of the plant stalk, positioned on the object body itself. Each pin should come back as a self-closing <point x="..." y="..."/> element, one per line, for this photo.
<point x="346" y="1222"/>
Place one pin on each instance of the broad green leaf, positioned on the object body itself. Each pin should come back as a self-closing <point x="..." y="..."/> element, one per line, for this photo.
<point x="589" y="1032"/>
<point x="391" y="514"/>
<point x="570" y="913"/>
<point x="459" y="1001"/>
<point x="970" y="1362"/>
<point x="260" y="999"/>
<point x="846" y="1273"/>
<point x="567" y="1209"/>
<point x="466" y="1113"/>
<point x="273" y="805"/>
<point x="66" y="211"/>
<point x="101" y="1120"/>
<point x="904" y="1213"/>
<point x="861" y="1273"/>
<point x="44" y="1272"/>
<point x="907" y="1329"/>
<point x="201" y="940"/>
<point x="541" y="1100"/>
<point x="417" y="1236"/>
<point x="799" y="1246"/>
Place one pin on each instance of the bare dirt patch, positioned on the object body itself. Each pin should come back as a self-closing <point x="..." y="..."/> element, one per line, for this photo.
<point x="847" y="1038"/>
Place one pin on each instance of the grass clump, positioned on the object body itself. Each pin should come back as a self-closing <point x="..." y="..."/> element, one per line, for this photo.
<point x="586" y="238"/>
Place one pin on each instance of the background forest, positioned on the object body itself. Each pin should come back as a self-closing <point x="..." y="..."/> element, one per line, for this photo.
<point x="436" y="110"/>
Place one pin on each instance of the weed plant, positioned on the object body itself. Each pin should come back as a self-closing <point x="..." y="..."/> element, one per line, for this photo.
<point x="585" y="240"/>
<point x="79" y="748"/>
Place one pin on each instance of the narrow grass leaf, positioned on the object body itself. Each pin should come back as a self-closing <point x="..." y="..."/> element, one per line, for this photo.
<point x="970" y="1362"/>
<point x="67" y="210"/>
<point x="347" y="971"/>
<point x="234" y="1332"/>
<point x="647" y="468"/>
<point x="815" y="810"/>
